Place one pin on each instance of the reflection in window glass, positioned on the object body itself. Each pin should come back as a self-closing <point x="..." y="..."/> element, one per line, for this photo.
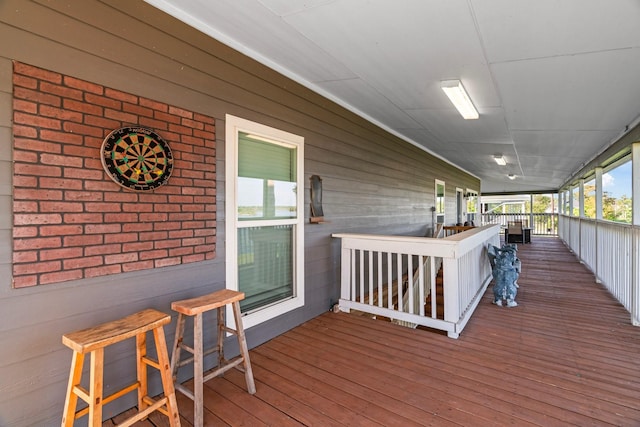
<point x="575" y="202"/>
<point x="617" y="194"/>
<point x="440" y="202"/>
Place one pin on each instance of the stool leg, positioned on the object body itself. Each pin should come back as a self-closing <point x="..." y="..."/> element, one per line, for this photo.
<point x="165" y="374"/>
<point x="95" y="387"/>
<point x="220" y="337"/>
<point x="244" y="351"/>
<point x="198" y="371"/>
<point x="177" y="342"/>
<point x="141" y="368"/>
<point x="69" y="414"/>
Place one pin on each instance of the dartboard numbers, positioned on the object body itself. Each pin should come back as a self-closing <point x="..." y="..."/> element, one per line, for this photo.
<point x="137" y="158"/>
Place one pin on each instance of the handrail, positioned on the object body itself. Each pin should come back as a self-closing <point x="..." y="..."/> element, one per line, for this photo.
<point x="371" y="265"/>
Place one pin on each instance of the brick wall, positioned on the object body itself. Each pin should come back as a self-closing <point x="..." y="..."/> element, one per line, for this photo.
<point x="71" y="221"/>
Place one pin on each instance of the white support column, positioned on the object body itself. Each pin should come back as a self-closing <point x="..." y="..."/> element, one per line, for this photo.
<point x="599" y="193"/>
<point x="635" y="268"/>
<point x="581" y="198"/>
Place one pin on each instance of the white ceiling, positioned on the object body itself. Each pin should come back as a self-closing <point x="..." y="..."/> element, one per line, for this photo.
<point x="554" y="81"/>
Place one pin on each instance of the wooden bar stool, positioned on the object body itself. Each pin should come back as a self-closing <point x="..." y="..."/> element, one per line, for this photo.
<point x="94" y="340"/>
<point x="195" y="307"/>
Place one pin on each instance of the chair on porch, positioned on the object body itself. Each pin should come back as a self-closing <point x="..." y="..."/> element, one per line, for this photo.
<point x="514" y="232"/>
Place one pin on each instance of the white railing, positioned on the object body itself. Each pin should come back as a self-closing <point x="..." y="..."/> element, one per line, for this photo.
<point x="611" y="251"/>
<point x="372" y="264"/>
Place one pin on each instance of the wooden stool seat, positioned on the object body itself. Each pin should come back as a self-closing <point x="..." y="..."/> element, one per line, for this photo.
<point x="195" y="307"/>
<point x="94" y="340"/>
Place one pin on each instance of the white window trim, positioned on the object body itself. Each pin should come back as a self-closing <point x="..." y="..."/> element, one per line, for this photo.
<point x="234" y="125"/>
<point x="444" y="214"/>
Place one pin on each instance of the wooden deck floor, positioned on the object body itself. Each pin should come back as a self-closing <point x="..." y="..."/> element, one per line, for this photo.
<point x="567" y="355"/>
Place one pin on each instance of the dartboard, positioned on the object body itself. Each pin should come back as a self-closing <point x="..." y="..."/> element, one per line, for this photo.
<point x="137" y="158"/>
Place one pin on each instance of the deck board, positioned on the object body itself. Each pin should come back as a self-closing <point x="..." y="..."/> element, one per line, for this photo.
<point x="567" y="355"/>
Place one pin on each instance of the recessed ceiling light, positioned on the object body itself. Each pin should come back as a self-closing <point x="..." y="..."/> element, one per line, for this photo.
<point x="511" y="176"/>
<point x="460" y="99"/>
<point x="499" y="158"/>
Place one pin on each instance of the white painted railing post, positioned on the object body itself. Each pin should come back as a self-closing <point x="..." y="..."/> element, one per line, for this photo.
<point x="451" y="293"/>
<point x="345" y="276"/>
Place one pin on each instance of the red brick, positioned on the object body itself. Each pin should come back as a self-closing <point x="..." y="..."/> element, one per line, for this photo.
<point x="192" y="174"/>
<point x="25" y="156"/>
<point x="167" y="225"/>
<point x="121" y="238"/>
<point x="122" y="197"/>
<point x="103" y="249"/>
<point x="165" y="262"/>
<point x="180" y="182"/>
<point x="82" y="129"/>
<point x="95" y="164"/>
<point x="120" y="258"/>
<point x="25" y="281"/>
<point x="41" y="243"/>
<point x="87" y="175"/>
<point x="103" y="271"/>
<point x="25" y="131"/>
<point x="61" y="183"/>
<point x="63" y="253"/>
<point x="83" y="107"/>
<point x="27" y="206"/>
<point x="60" y="230"/>
<point x="36" y="219"/>
<point x="65" y="92"/>
<point x="180" y="216"/>
<point x="36" y="121"/>
<point x="182" y="130"/>
<point x="137" y="207"/>
<point x="204" y="232"/>
<point x="61" y="276"/>
<point x="192" y="224"/>
<point x="153" y="217"/>
<point x="122" y="96"/>
<point x="159" y="253"/>
<point x="158" y="125"/>
<point x="210" y="255"/>
<point x="205" y="248"/>
<point x="102" y="228"/>
<point x="181" y="251"/>
<point x="154" y="104"/>
<point x="19" y="232"/>
<point x="180" y="234"/>
<point x="135" y="266"/>
<point x="59" y="113"/>
<point x="40" y="146"/>
<point x="153" y="235"/>
<point x="119" y="115"/>
<point x="82" y="262"/>
<point x="193" y="258"/>
<point x="25" y="81"/>
<point x="205" y="119"/>
<point x="36" y="170"/>
<point x="36" y="267"/>
<point x="62" y="207"/>
<point x="83" y="240"/>
<point x="192" y="157"/>
<point x="102" y="207"/>
<point x="193" y="242"/>
<point x="180" y="112"/>
<point x="121" y="217"/>
<point x="36" y="96"/>
<point x="193" y="124"/>
<point x="25" y="256"/>
<point x="59" y="160"/>
<point x="136" y="227"/>
<point x="101" y="122"/>
<point x="38" y="73"/>
<point x="166" y="244"/>
<point x="83" y="85"/>
<point x="64" y="137"/>
<point x="80" y="151"/>
<point x="137" y="247"/>
<point x="83" y="218"/>
<point x="102" y="101"/>
<point x="164" y="117"/>
<point x="208" y="137"/>
<point x="136" y="109"/>
<point x="25" y="106"/>
<point x="83" y="196"/>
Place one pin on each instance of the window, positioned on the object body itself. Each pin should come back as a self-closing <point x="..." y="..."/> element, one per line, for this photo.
<point x="617" y="192"/>
<point x="440" y="202"/>
<point x="575" y="201"/>
<point x="590" y="198"/>
<point x="264" y="219"/>
<point x="472" y="206"/>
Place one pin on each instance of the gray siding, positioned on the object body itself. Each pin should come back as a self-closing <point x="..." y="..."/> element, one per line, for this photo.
<point x="372" y="181"/>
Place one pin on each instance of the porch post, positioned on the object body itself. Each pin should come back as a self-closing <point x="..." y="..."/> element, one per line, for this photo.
<point x="599" y="193"/>
<point x="635" y="268"/>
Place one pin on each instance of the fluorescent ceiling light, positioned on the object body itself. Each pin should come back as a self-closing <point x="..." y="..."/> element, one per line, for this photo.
<point x="458" y="96"/>
<point x="500" y="159"/>
<point x="512" y="176"/>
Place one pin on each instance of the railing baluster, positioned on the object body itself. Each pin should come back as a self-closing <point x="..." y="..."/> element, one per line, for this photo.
<point x="370" y="277"/>
<point x="380" y="279"/>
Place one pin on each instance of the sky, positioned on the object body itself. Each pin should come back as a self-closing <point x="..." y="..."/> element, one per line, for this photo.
<point x="617" y="182"/>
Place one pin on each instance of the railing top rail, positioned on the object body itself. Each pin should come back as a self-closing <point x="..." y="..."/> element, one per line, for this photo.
<point x="448" y="247"/>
